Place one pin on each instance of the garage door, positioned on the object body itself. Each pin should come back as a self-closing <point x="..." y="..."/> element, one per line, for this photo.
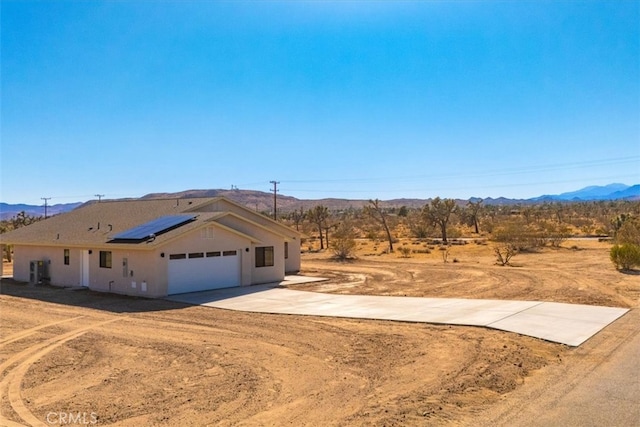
<point x="200" y="271"/>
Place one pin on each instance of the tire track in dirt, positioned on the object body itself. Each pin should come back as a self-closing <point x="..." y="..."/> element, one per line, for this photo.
<point x="23" y="334"/>
<point x="10" y="384"/>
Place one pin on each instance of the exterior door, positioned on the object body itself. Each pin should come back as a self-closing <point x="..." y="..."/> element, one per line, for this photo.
<point x="84" y="268"/>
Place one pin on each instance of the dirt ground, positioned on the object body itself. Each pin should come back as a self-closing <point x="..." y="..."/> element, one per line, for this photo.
<point x="126" y="361"/>
<point x="578" y="272"/>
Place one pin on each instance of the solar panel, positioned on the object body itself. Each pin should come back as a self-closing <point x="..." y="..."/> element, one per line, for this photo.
<point x="157" y="226"/>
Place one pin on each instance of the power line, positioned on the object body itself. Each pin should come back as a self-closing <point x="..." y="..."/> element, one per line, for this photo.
<point x="99" y="196"/>
<point x="491" y="173"/>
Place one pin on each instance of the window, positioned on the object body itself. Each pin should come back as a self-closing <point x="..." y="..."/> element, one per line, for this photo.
<point x="212" y="254"/>
<point x="177" y="256"/>
<point x="286" y="250"/>
<point x="264" y="256"/>
<point x="66" y="257"/>
<point x="105" y="259"/>
<point x="229" y="253"/>
<point x="196" y="255"/>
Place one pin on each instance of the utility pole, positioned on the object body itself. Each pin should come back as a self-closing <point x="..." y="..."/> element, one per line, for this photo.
<point x="99" y="196"/>
<point x="275" y="199"/>
<point x="45" y="205"/>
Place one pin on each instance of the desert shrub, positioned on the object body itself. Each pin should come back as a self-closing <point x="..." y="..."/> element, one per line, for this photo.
<point x="421" y="251"/>
<point x="520" y="236"/>
<point x="504" y="252"/>
<point x="405" y="252"/>
<point x="372" y="235"/>
<point x="557" y="235"/>
<point x="343" y="244"/>
<point x="625" y="256"/>
<point x="629" y="232"/>
<point x="419" y="230"/>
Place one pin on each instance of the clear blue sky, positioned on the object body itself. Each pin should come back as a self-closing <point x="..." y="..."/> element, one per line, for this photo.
<point x="333" y="99"/>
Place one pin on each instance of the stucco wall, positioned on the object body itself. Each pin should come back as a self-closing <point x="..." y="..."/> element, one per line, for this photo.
<point x="292" y="264"/>
<point x="261" y="274"/>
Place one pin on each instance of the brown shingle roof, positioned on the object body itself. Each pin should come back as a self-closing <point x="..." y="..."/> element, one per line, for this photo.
<point x="96" y="223"/>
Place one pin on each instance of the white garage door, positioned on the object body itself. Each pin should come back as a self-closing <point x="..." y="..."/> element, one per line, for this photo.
<point x="203" y="271"/>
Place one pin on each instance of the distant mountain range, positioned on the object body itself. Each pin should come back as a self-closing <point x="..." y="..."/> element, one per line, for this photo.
<point x="262" y="201"/>
<point x="9" y="211"/>
<point x="594" y="192"/>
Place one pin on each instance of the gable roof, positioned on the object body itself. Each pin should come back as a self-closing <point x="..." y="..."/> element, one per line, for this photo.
<point x="255" y="217"/>
<point x="96" y="224"/>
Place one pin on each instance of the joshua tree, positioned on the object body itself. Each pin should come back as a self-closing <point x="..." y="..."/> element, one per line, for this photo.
<point x="318" y="215"/>
<point x="438" y="213"/>
<point x="474" y="207"/>
<point x="375" y="211"/>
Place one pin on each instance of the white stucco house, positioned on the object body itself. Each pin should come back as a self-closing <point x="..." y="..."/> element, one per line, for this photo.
<point x="155" y="247"/>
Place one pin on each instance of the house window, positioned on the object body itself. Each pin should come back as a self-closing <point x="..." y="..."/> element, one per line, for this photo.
<point x="196" y="255"/>
<point x="213" y="254"/>
<point x="229" y="253"/>
<point x="264" y="256"/>
<point x="66" y="257"/>
<point x="105" y="259"/>
<point x="286" y="250"/>
<point x="178" y="256"/>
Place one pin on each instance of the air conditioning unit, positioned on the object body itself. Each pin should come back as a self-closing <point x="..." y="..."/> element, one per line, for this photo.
<point x="36" y="272"/>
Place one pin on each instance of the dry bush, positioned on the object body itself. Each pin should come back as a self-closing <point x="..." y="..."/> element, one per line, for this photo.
<point x="522" y="237"/>
<point x="629" y="232"/>
<point x="556" y="235"/>
<point x="405" y="252"/>
<point x="504" y="253"/>
<point x="343" y="244"/>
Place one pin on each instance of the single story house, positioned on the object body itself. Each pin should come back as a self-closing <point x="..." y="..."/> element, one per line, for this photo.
<point x="155" y="247"/>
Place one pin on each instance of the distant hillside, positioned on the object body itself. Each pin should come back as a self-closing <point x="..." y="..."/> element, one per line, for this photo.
<point x="263" y="201"/>
<point x="8" y="211"/>
<point x="595" y="192"/>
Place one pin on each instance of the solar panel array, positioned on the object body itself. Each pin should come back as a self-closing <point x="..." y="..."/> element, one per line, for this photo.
<point x="159" y="225"/>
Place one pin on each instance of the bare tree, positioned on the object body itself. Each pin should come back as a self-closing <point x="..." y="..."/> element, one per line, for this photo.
<point x="375" y="211"/>
<point x="438" y="213"/>
<point x="318" y="215"/>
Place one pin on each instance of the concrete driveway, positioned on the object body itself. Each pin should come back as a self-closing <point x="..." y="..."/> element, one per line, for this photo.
<point x="570" y="324"/>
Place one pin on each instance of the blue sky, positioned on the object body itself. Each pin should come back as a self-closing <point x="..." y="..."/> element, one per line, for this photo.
<point x="333" y="99"/>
